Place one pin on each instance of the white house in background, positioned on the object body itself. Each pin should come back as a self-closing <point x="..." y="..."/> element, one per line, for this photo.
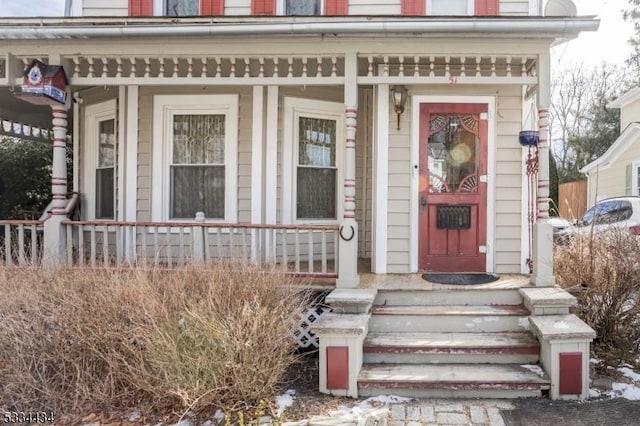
<point x="317" y="135"/>
<point x="617" y="171"/>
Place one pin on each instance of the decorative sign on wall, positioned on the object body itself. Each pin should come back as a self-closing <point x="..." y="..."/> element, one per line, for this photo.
<point x="44" y="84"/>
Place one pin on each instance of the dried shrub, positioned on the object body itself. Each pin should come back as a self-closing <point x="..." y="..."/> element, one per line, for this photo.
<point x="95" y="339"/>
<point x="603" y="271"/>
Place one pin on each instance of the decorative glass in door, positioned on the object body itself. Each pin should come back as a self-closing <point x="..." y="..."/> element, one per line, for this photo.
<point x="453" y="148"/>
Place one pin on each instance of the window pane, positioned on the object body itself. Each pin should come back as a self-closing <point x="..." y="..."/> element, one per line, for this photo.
<point x="106" y="143"/>
<point x="317" y="142"/>
<point x="303" y="7"/>
<point x="198" y="139"/>
<point x="453" y="152"/>
<point x="449" y="7"/>
<point x="104" y="193"/>
<point x="183" y="7"/>
<point x="316" y="193"/>
<point x="197" y="189"/>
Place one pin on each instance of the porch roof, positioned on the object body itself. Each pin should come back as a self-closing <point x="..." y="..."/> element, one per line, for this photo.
<point x="560" y="28"/>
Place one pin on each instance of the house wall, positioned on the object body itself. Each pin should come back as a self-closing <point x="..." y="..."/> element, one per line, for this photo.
<point x="629" y="114"/>
<point x="146" y="145"/>
<point x="612" y="181"/>
<point x="334" y="94"/>
<point x="105" y="7"/>
<point x="243" y="7"/>
<point x="237" y="7"/>
<point x="508" y="180"/>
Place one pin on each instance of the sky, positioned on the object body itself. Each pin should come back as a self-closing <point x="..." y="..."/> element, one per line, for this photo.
<point x="608" y="44"/>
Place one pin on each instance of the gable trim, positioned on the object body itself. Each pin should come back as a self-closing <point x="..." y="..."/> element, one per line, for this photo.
<point x="630" y="135"/>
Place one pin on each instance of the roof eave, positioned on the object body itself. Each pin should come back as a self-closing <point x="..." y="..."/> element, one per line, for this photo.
<point x="538" y="27"/>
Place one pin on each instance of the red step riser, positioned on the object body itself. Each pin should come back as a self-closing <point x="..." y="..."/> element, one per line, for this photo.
<point x="533" y="350"/>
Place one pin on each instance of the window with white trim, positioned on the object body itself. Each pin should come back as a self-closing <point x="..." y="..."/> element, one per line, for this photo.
<point x="450" y="7"/>
<point x="197" y="163"/>
<point x="105" y="169"/>
<point x="312" y="185"/>
<point x="636" y="178"/>
<point x="100" y="161"/>
<point x="300" y="7"/>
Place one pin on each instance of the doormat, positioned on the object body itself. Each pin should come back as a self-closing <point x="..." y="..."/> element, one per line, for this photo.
<point x="461" y="279"/>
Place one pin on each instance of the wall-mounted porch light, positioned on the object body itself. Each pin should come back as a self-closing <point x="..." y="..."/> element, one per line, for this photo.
<point x="399" y="98"/>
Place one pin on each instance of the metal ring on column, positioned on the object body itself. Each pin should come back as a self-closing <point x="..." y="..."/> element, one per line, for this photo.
<point x="353" y="233"/>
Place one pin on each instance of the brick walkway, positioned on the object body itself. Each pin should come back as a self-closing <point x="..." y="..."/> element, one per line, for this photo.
<point x="417" y="413"/>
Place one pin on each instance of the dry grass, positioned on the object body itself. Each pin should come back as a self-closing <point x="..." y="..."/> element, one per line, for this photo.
<point x="96" y="339"/>
<point x="603" y="271"/>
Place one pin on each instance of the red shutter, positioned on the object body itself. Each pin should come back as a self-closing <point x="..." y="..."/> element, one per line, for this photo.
<point x="487" y="7"/>
<point x="263" y="7"/>
<point x="335" y="7"/>
<point x="140" y="8"/>
<point x="413" y="7"/>
<point x="212" y="7"/>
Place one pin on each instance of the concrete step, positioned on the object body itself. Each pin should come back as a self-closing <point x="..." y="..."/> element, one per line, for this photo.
<point x="449" y="296"/>
<point x="462" y="319"/>
<point x="450" y="348"/>
<point x="452" y="380"/>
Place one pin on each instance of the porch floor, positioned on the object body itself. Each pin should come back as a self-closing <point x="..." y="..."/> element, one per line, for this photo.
<point x="415" y="281"/>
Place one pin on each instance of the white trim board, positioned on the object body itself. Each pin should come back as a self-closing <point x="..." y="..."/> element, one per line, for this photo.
<point x="93" y="114"/>
<point x="414" y="227"/>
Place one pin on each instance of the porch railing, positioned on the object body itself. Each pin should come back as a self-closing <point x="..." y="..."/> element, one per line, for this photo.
<point x="302" y="250"/>
<point x="21" y="242"/>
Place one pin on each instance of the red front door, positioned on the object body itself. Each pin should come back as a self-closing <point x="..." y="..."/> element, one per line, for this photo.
<point x="453" y="187"/>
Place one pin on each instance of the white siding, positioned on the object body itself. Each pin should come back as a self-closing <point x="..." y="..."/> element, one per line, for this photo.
<point x="237" y="7"/>
<point x="514" y="7"/>
<point x="629" y="114"/>
<point x="392" y="7"/>
<point x="612" y="181"/>
<point x="105" y="8"/>
<point x="374" y="7"/>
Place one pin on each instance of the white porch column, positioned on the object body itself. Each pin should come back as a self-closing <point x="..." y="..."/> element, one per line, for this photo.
<point x="348" y="235"/>
<point x="542" y="230"/>
<point x="54" y="235"/>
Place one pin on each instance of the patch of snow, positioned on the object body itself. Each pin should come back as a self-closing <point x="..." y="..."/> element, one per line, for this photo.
<point x="387" y="399"/>
<point x="133" y="417"/>
<point x="183" y="422"/>
<point x="284" y="401"/>
<point x="626" y="391"/>
<point x="629" y="373"/>
<point x="594" y="393"/>
<point x="595" y="361"/>
<point x="219" y="415"/>
<point x="524" y="323"/>
<point x="534" y="369"/>
<point x="562" y="325"/>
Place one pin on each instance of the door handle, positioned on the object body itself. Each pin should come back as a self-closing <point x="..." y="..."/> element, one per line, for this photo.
<point x="423" y="202"/>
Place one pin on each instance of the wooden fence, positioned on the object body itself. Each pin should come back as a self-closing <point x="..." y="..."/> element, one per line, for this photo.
<point x="572" y="199"/>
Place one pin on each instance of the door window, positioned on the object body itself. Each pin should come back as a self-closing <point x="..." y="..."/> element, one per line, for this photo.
<point x="453" y="148"/>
